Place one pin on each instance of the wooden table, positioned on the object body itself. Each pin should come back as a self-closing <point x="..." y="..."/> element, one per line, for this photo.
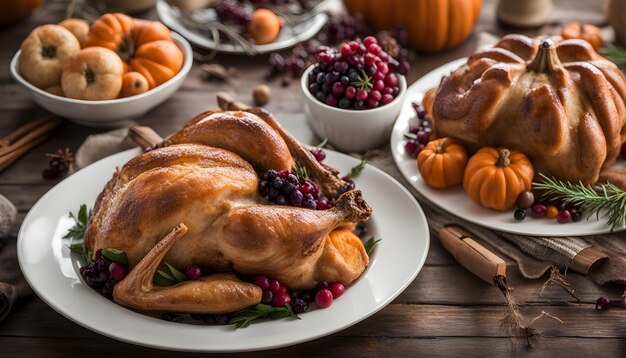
<point x="445" y="311"/>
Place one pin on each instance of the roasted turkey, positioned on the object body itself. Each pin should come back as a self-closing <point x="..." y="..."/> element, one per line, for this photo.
<point x="194" y="199"/>
<point x="560" y="103"/>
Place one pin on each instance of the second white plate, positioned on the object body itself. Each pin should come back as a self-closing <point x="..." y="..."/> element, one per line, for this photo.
<point x="454" y="200"/>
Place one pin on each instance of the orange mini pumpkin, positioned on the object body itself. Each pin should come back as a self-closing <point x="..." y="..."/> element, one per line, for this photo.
<point x="145" y="46"/>
<point x="442" y="163"/>
<point x="495" y="177"/>
<point x="587" y="32"/>
<point x="44" y="52"/>
<point x="79" y="27"/>
<point x="94" y="73"/>
<point x="133" y="83"/>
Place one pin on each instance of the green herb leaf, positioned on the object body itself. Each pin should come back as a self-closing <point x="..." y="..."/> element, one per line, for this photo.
<point x="76" y="233"/>
<point x="80" y="249"/>
<point x="604" y="200"/>
<point x="159" y="280"/>
<point x="242" y="319"/>
<point x="166" y="276"/>
<point x="363" y="82"/>
<point x="410" y="136"/>
<point x="115" y="255"/>
<point x="300" y="172"/>
<point x="615" y="54"/>
<point x="179" y="276"/>
<point x="355" y="171"/>
<point x="322" y="144"/>
<point x="370" y="245"/>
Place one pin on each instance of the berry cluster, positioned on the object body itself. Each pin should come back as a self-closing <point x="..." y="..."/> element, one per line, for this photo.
<point x="285" y="188"/>
<point x="338" y="29"/>
<point x="102" y="274"/>
<point x="419" y="134"/>
<point x="360" y="75"/>
<point x="563" y="212"/>
<point x="278" y="295"/>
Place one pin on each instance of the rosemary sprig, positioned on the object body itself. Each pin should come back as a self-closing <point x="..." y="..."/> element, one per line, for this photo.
<point x="604" y="200"/>
<point x="242" y="319"/>
<point x="363" y="82"/>
<point x="370" y="245"/>
<point x="356" y="170"/>
<point x="300" y="172"/>
<point x="615" y="54"/>
<point x="76" y="233"/>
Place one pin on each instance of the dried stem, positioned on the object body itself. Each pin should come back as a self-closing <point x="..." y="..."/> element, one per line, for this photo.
<point x="557" y="279"/>
<point x="513" y="323"/>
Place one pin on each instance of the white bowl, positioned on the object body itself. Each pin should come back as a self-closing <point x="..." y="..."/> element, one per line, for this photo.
<point x="351" y="130"/>
<point x="110" y="113"/>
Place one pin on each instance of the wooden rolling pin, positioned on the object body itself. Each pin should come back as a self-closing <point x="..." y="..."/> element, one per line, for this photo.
<point x="472" y="255"/>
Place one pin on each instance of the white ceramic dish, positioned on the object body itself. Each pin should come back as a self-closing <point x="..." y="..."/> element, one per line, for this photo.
<point x="111" y="113"/>
<point x="52" y="270"/>
<point x="351" y="131"/>
<point x="301" y="32"/>
<point x="454" y="200"/>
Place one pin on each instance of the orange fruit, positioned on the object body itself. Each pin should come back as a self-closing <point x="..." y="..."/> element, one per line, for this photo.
<point x="264" y="26"/>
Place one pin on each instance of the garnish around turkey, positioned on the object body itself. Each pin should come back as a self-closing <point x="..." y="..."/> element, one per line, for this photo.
<point x="107" y="267"/>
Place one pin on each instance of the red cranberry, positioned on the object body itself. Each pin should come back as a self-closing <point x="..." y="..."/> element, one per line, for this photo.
<point x="387" y="98"/>
<point x="603" y="303"/>
<point x="350" y="92"/>
<point x="319" y="154"/>
<point x="323" y="298"/>
<point x="361" y="95"/>
<point x="274" y="285"/>
<point x="423" y="137"/>
<point x="346" y="50"/>
<point x="323" y="204"/>
<point x="369" y="40"/>
<point x="118" y="271"/>
<point x="263" y="282"/>
<point x="539" y="210"/>
<point x="564" y="216"/>
<point x="193" y="272"/>
<point x="337" y="289"/>
<point x="281" y="299"/>
<point x="282" y="289"/>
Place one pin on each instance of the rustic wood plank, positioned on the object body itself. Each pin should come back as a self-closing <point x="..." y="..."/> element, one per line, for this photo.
<point x="333" y="346"/>
<point x="32" y="318"/>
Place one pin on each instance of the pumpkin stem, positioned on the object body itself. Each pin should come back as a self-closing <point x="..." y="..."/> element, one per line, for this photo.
<point x="503" y="158"/>
<point x="89" y="76"/>
<point x="49" y="51"/>
<point x="439" y="149"/>
<point x="546" y="60"/>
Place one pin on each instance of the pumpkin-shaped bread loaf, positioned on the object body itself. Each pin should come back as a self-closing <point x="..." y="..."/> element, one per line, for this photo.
<point x="561" y="104"/>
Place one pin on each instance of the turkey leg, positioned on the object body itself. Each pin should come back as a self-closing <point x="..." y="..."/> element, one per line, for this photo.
<point x="326" y="177"/>
<point x="284" y="242"/>
<point x="213" y="294"/>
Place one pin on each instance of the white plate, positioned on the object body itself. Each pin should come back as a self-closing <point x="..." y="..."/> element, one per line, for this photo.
<point x="52" y="270"/>
<point x="454" y="200"/>
<point x="287" y="38"/>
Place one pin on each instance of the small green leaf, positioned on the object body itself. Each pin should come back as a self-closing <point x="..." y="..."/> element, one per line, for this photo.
<point x="115" y="255"/>
<point x="242" y="319"/>
<point x="82" y="215"/>
<point x="80" y="249"/>
<point x="162" y="281"/>
<point x="355" y="171"/>
<point x="410" y="136"/>
<point x="166" y="276"/>
<point x="178" y="276"/>
<point x="370" y="245"/>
